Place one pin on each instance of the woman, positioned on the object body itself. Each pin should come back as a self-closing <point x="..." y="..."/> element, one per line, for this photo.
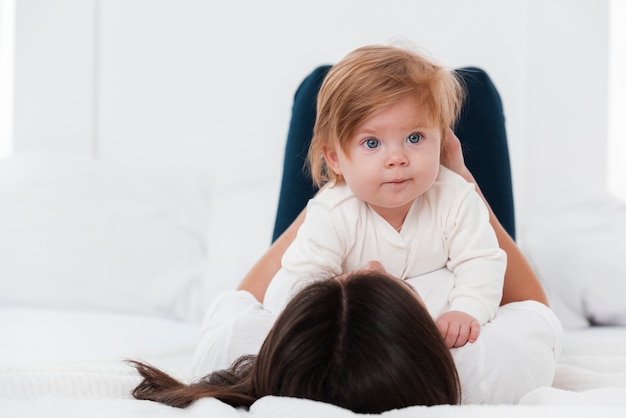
<point x="332" y="344"/>
<point x="516" y="353"/>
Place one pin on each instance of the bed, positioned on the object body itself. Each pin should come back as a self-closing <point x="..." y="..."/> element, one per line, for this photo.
<point x="101" y="262"/>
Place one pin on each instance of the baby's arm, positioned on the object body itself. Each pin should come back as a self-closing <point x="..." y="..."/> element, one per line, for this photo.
<point x="475" y="258"/>
<point x="315" y="254"/>
<point x="521" y="282"/>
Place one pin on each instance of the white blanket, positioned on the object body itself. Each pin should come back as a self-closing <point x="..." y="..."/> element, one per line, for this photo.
<point x="590" y="380"/>
<point x="568" y="406"/>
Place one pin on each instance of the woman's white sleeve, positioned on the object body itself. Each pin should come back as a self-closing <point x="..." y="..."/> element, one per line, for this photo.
<point x="235" y="324"/>
<point x="515" y="353"/>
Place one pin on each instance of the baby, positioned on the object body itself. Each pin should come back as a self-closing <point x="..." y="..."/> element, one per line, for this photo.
<point x="383" y="115"/>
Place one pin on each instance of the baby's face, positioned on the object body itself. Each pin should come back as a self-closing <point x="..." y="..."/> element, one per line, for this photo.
<point x="391" y="158"/>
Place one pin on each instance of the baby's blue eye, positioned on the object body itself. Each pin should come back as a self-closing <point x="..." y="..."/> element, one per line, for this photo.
<point x="371" y="143"/>
<point x="414" y="138"/>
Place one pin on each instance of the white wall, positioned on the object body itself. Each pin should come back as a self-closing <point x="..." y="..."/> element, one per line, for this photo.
<point x="54" y="75"/>
<point x="209" y="85"/>
<point x="7" y="43"/>
<point x="228" y="73"/>
<point x="566" y="103"/>
<point x="616" y="149"/>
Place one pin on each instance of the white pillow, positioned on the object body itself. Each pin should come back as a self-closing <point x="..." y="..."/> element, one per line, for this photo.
<point x="78" y="233"/>
<point x="240" y="229"/>
<point x="579" y="252"/>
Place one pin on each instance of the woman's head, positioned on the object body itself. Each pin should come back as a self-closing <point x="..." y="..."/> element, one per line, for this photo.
<point x="368" y="80"/>
<point x="363" y="342"/>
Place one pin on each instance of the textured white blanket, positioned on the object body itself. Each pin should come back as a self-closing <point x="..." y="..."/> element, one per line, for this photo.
<point x="597" y="388"/>
<point x="590" y="381"/>
<point x="272" y="407"/>
<point x="78" y="381"/>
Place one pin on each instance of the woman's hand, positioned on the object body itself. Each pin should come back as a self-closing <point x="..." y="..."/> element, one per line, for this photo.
<point x="452" y="155"/>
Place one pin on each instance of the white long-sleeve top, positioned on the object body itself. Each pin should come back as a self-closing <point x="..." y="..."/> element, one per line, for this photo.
<point x="447" y="226"/>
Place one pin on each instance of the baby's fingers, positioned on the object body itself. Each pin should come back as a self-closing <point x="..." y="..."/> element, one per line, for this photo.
<point x="467" y="333"/>
<point x="444" y="328"/>
<point x="458" y="328"/>
<point x="453" y="333"/>
<point x="474" y="331"/>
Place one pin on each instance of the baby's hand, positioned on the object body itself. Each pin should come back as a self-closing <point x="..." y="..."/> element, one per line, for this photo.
<point x="458" y="328"/>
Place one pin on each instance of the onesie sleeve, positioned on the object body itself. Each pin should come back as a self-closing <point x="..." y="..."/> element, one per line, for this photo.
<point x="475" y="257"/>
<point x="317" y="253"/>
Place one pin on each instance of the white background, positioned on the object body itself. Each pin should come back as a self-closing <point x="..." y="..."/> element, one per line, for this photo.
<point x="208" y="85"/>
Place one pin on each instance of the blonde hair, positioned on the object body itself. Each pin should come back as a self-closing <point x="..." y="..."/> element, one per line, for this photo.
<point x="369" y="79"/>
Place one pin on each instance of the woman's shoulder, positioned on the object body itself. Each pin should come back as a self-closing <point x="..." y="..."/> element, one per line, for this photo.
<point x="235" y="324"/>
<point x="226" y="304"/>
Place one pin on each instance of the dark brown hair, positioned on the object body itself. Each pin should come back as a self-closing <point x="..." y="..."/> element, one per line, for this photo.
<point x="363" y="342"/>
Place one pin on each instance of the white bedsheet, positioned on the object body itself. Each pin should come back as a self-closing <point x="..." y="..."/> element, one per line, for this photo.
<point x="70" y="364"/>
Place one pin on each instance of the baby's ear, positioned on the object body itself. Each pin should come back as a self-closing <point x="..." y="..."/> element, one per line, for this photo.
<point x="332" y="160"/>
